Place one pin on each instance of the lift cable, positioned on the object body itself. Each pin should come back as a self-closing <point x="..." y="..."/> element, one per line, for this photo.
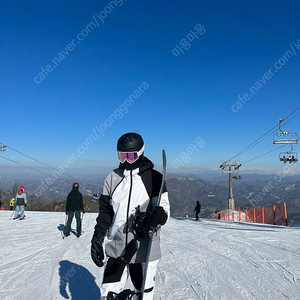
<point x="264" y="136"/>
<point x="84" y="189"/>
<point x="263" y="154"/>
<point x="27" y="166"/>
<point x="37" y="160"/>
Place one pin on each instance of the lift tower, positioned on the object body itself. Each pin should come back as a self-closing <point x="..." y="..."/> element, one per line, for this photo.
<point x="228" y="167"/>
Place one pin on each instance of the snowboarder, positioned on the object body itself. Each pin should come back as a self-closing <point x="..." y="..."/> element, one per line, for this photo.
<point x="12" y="203"/>
<point x="197" y="209"/>
<point x="131" y="188"/>
<point x="21" y="203"/>
<point x="74" y="205"/>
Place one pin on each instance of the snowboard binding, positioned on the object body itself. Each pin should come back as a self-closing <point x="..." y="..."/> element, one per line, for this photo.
<point x="140" y="224"/>
<point x="124" y="295"/>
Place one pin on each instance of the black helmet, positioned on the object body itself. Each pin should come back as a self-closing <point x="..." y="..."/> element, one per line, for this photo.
<point x="130" y="142"/>
<point x="76" y="185"/>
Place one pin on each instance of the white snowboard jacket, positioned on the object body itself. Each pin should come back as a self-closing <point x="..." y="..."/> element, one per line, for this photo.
<point x="123" y="191"/>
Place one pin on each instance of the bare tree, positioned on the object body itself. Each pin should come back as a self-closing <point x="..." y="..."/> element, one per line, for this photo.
<point x="35" y="202"/>
<point x="15" y="189"/>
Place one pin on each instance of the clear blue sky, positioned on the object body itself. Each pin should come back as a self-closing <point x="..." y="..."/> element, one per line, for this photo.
<point x="68" y="68"/>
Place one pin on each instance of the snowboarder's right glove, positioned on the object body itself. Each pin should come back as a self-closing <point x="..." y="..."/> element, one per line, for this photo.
<point x="67" y="212"/>
<point x="97" y="251"/>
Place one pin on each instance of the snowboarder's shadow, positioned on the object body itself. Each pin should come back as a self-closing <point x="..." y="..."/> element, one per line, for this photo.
<point x="79" y="282"/>
<point x="61" y="228"/>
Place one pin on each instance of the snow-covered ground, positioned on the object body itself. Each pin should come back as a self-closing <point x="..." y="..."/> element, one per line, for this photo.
<point x="205" y="259"/>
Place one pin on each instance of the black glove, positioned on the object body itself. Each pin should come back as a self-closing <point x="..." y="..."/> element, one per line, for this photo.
<point x="83" y="211"/>
<point x="157" y="217"/>
<point x="67" y="212"/>
<point x="144" y="221"/>
<point x="25" y="205"/>
<point x="97" y="251"/>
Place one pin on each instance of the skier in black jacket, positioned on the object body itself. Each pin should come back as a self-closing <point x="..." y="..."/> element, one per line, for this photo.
<point x="74" y="205"/>
<point x="197" y="210"/>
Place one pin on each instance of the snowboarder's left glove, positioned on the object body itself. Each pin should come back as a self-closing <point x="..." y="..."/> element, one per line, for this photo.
<point x="83" y="211"/>
<point x="25" y="205"/>
<point x="157" y="217"/>
<point x="97" y="251"/>
<point x="144" y="221"/>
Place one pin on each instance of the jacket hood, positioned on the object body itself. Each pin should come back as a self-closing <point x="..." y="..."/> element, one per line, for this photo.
<point x="75" y="191"/>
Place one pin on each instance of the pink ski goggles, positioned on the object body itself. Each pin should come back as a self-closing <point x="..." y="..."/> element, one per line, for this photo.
<point x="130" y="157"/>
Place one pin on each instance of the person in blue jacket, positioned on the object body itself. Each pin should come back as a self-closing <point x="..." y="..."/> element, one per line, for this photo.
<point x="21" y="199"/>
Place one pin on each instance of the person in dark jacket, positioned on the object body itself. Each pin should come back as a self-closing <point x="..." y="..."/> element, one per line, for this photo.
<point x="197" y="210"/>
<point x="127" y="209"/>
<point x="74" y="205"/>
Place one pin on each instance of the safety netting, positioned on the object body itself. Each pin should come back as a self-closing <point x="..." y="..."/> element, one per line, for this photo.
<point x="275" y="214"/>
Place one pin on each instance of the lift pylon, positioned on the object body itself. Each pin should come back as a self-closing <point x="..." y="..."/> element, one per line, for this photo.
<point x="229" y="167"/>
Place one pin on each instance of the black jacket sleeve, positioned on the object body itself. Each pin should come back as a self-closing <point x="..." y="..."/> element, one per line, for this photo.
<point x="104" y="218"/>
<point x="81" y="202"/>
<point x="68" y="203"/>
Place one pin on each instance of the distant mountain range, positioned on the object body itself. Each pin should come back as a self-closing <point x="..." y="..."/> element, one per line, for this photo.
<point x="253" y="190"/>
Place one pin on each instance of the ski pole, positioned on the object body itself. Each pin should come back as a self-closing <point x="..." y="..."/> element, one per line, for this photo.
<point x="11" y="215"/>
<point x="65" y="222"/>
<point x="63" y="231"/>
<point x="81" y="220"/>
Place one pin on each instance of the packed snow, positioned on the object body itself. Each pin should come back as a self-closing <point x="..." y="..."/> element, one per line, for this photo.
<point x="206" y="259"/>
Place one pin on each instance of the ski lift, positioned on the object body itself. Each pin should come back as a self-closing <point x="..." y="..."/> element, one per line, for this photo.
<point x="237" y="176"/>
<point x="285" y="137"/>
<point x="95" y="197"/>
<point x="288" y="156"/>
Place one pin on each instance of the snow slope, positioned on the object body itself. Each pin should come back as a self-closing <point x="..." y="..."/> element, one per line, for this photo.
<point x="205" y="259"/>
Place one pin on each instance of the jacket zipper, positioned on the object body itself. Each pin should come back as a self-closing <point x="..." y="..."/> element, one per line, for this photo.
<point x="128" y="205"/>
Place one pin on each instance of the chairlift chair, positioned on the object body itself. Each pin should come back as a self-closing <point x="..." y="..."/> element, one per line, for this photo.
<point x="285" y="137"/>
<point x="289" y="156"/>
<point x="95" y="197"/>
<point x="237" y="175"/>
